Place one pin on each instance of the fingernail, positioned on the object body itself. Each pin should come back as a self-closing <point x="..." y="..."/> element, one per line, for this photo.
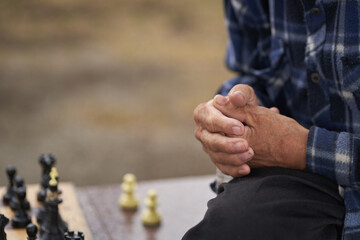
<point x="250" y="152"/>
<point x="221" y="100"/>
<point x="242" y="172"/>
<point x="239" y="146"/>
<point x="237" y="130"/>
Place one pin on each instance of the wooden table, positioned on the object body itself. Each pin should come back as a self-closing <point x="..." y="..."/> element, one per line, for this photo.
<point x="182" y="204"/>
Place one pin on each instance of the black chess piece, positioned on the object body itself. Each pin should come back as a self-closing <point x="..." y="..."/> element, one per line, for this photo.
<point x="31" y="231"/>
<point x="3" y="221"/>
<point x="47" y="161"/>
<point x="52" y="194"/>
<point x="10" y="193"/>
<point x="41" y="214"/>
<point x="21" y="218"/>
<point x="52" y="226"/>
<point x="74" y="236"/>
<point x="19" y="183"/>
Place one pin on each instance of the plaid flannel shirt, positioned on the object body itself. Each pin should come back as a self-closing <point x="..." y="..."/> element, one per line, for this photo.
<point x="303" y="56"/>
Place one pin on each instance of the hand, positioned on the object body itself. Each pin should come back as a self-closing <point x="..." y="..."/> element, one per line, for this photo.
<point x="241" y="95"/>
<point x="276" y="139"/>
<point x="220" y="135"/>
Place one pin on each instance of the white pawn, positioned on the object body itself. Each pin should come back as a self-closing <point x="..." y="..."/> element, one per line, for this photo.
<point x="150" y="217"/>
<point x="128" y="200"/>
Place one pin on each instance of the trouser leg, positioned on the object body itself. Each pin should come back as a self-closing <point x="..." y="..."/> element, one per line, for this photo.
<point x="273" y="203"/>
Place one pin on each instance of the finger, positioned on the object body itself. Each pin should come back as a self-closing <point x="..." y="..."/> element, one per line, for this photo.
<point x="242" y="94"/>
<point x="230" y="110"/>
<point x="234" y="160"/>
<point x="211" y="119"/>
<point x="244" y="170"/>
<point x="235" y="172"/>
<point x="217" y="142"/>
<point x="275" y="109"/>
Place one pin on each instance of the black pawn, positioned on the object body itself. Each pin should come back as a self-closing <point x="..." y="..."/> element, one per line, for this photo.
<point x="31" y="231"/>
<point x="74" y="236"/>
<point x="47" y="161"/>
<point x="10" y="193"/>
<point x="21" y="218"/>
<point x="19" y="183"/>
<point x="3" y="221"/>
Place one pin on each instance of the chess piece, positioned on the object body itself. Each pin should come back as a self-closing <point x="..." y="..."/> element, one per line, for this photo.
<point x="47" y="161"/>
<point x="52" y="226"/>
<point x="55" y="175"/>
<point x="150" y="216"/>
<point x="52" y="194"/>
<point x="127" y="200"/>
<point x="73" y="236"/>
<point x="3" y="221"/>
<point x="31" y="231"/>
<point x="10" y="193"/>
<point x="21" y="218"/>
<point x="19" y="183"/>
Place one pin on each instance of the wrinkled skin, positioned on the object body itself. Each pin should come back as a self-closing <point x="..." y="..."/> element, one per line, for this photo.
<point x="238" y="134"/>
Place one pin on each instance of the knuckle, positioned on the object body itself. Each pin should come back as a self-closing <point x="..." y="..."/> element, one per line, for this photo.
<point x="227" y="127"/>
<point x="196" y="112"/>
<point x="205" y="117"/>
<point x="197" y="132"/>
<point x="205" y="149"/>
<point x="229" y="146"/>
<point x="199" y="111"/>
<point x="247" y="90"/>
<point x="213" y="156"/>
<point x="219" y="145"/>
<point x="247" y="87"/>
<point x="200" y="136"/>
<point x="206" y="141"/>
<point x="210" y="123"/>
<point x="238" y="86"/>
<point x="248" y="132"/>
<point x="251" y="90"/>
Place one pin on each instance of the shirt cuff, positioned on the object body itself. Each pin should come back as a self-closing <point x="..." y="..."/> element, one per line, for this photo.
<point x="330" y="154"/>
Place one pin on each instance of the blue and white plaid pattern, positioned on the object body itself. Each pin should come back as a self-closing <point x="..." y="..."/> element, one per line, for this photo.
<point x="303" y="56"/>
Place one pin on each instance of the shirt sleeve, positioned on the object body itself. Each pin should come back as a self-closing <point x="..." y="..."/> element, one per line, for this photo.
<point x="249" y="48"/>
<point x="334" y="155"/>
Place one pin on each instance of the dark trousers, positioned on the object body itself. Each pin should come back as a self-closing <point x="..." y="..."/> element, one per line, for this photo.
<point x="273" y="203"/>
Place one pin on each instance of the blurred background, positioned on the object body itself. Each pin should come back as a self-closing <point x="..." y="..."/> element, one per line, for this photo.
<point x="109" y="87"/>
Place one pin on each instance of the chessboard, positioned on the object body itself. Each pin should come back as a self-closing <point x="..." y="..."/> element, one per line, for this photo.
<point x="181" y="203"/>
<point x="70" y="211"/>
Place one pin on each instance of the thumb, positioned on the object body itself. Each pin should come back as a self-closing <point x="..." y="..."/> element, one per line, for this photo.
<point x="275" y="109"/>
<point x="241" y="95"/>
